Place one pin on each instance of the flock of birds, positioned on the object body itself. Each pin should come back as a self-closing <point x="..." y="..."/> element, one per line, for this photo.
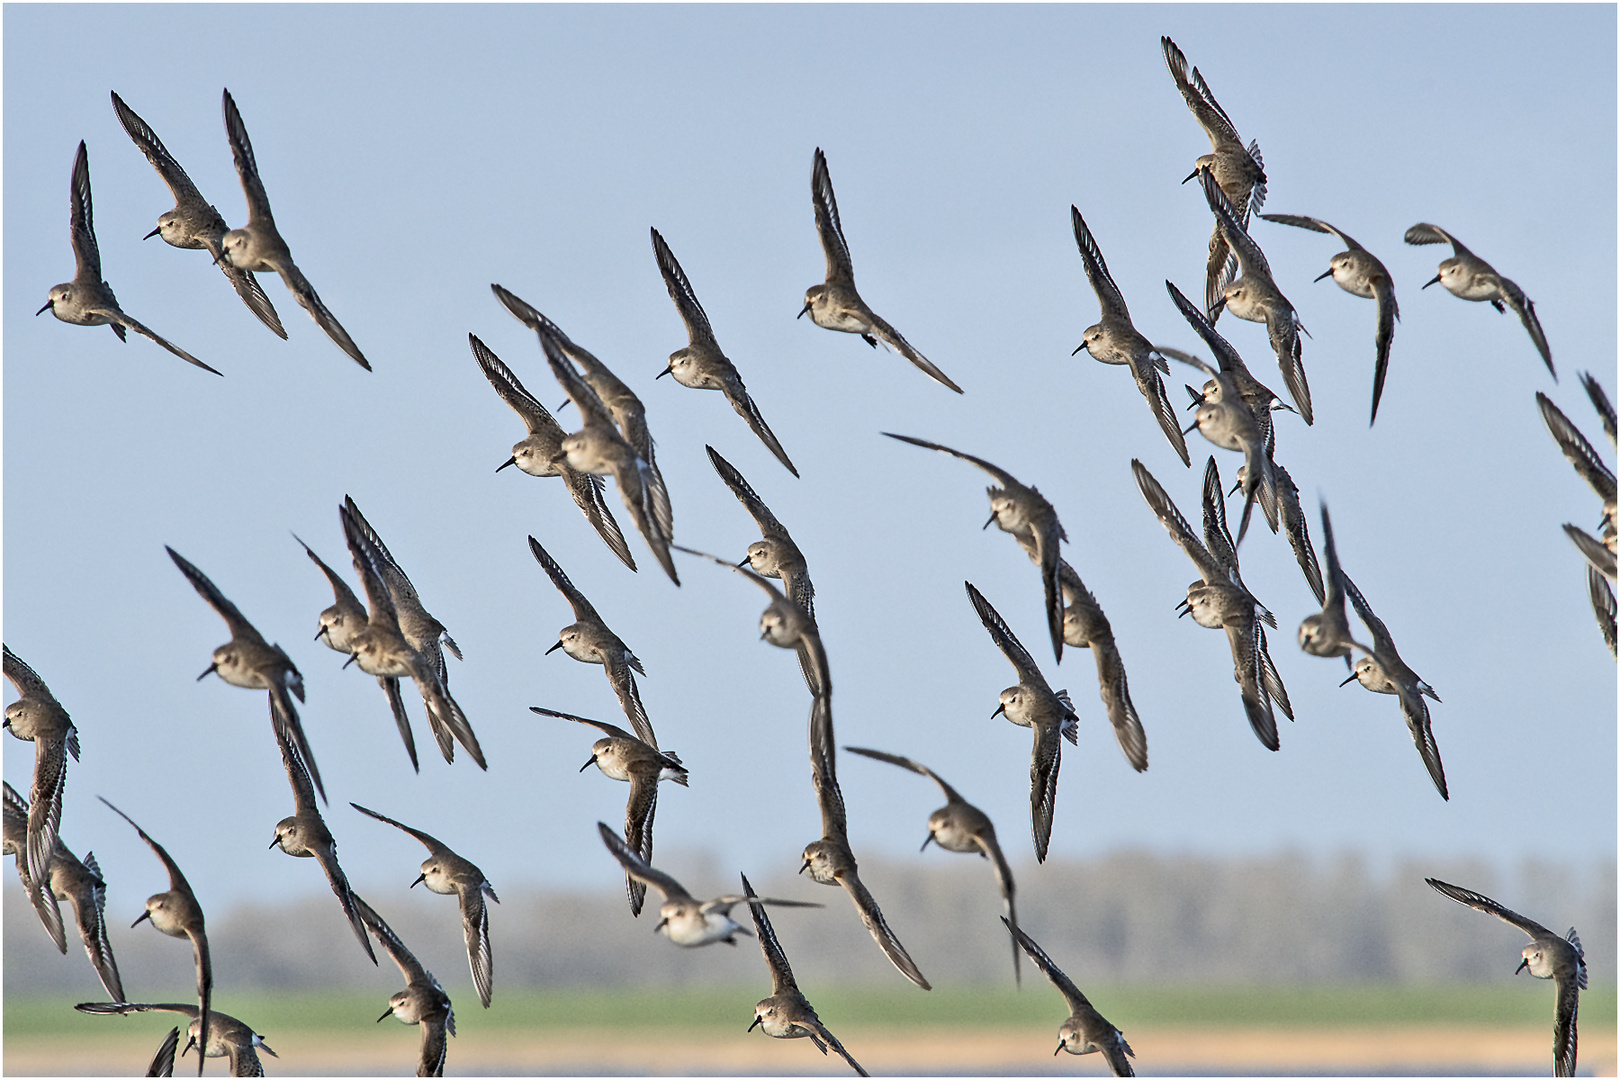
<point x="390" y="635"/>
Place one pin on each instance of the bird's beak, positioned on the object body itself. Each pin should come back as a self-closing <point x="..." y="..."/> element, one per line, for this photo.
<point x="386" y="1015"/>
<point x="1326" y="273"/>
<point x="419" y="879"/>
<point x="1190" y="428"/>
<point x="41" y="311"/>
<point x="1059" y="1049"/>
<point x="661" y="924"/>
<point x="144" y="916"/>
<point x="802" y="869"/>
<point x="800" y="315"/>
<point x="509" y="461"/>
<point x="274" y="842"/>
<point x="1235" y="486"/>
<point x="190" y="1042"/>
<point x="755" y="1024"/>
<point x="153" y="233"/>
<point x="1215" y="308"/>
<point x="989" y="523"/>
<point x="926" y="841"/>
<point x="554" y="648"/>
<point x="1078" y="348"/>
<point x="319" y="634"/>
<point x="211" y="669"/>
<point x="1189" y="177"/>
<point x="1000" y="710"/>
<point x="1522" y="965"/>
<point x="745" y="562"/>
<point x="352" y="658"/>
<point x="661" y="374"/>
<point x="588" y="764"/>
<point x="1350" y="680"/>
<point x="1431" y="281"/>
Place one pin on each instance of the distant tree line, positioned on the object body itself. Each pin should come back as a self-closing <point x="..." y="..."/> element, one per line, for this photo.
<point x="1121" y="918"/>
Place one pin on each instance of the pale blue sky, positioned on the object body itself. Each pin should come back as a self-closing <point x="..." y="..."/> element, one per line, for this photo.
<point x="415" y="154"/>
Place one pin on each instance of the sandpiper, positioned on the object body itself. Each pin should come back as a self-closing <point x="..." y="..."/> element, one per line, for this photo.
<point x="37" y="717"/>
<point x="1384" y="672"/>
<point x="248" y="661"/>
<point x="684" y="919"/>
<point x="1114" y="340"/>
<point x="701" y="365"/>
<point x="228" y="1037"/>
<point x="194" y="222"/>
<point x="305" y="835"/>
<point x="1548" y="956"/>
<point x="962" y="827"/>
<point x="401" y="639"/>
<point x="448" y="874"/>
<point x="600" y="448"/>
<point x="1469" y="277"/>
<point x="178" y="914"/>
<point x="87" y="300"/>
<point x="1237" y="169"/>
<point x="423" y="1001"/>
<point x="1032" y="704"/>
<point x="1591" y="468"/>
<point x="1085" y="1031"/>
<point x="787" y="1013"/>
<point x="588" y="640"/>
<point x="830" y="860"/>
<point x="628" y="414"/>
<point x="340" y="623"/>
<point x="785" y="624"/>
<point x="1359" y="273"/>
<point x="1254" y="296"/>
<point x="1328" y="633"/>
<point x="540" y="453"/>
<point x="619" y="755"/>
<point x="1026" y="514"/>
<point x="79" y="883"/>
<point x="774" y="554"/>
<point x="1219" y="600"/>
<point x="258" y="246"/>
<point x="1086" y="627"/>
<point x="835" y="304"/>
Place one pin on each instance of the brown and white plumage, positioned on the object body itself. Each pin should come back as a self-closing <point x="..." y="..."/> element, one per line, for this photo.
<point x="540" y="453"/>
<point x="251" y="662"/>
<point x="258" y="245"/>
<point x="1086" y="627"/>
<point x="37" y="717"/>
<point x="1236" y="168"/>
<point x="449" y="874"/>
<point x="1032" y="704"/>
<point x="619" y="755"/>
<point x="1113" y="339"/>
<point x="422" y="1002"/>
<point x="774" y="554"/>
<point x="701" y="365"/>
<point x="178" y="914"/>
<point x="961" y="827"/>
<point x="1085" y="1031"/>
<point x="1359" y="273"/>
<point x="589" y="640"/>
<point x="194" y="222"/>
<point x="1548" y="956"/>
<point x="1220" y="600"/>
<point x="1025" y="513"/>
<point x="785" y="624"/>
<point x="834" y="304"/>
<point x="787" y="1013"/>
<point x="87" y="300"/>
<point x="228" y="1037"/>
<point x="304" y="834"/>
<point x="1469" y="277"/>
